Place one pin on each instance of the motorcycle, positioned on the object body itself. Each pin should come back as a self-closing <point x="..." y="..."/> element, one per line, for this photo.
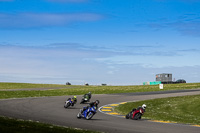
<point x="68" y="103"/>
<point x="88" y="113"/>
<point x="136" y="114"/>
<point x="85" y="98"/>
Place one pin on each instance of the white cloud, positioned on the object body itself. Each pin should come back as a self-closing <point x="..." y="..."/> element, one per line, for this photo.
<point x="66" y="63"/>
<point x="70" y="1"/>
<point x="153" y="61"/>
<point x="30" y="20"/>
<point x="6" y="0"/>
<point x="58" y="1"/>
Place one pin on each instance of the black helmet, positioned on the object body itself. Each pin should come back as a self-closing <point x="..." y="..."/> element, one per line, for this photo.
<point x="97" y="102"/>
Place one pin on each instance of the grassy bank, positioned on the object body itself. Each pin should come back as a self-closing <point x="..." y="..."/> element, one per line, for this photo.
<point x="8" y="125"/>
<point x="177" y="109"/>
<point x="5" y="85"/>
<point x="79" y="90"/>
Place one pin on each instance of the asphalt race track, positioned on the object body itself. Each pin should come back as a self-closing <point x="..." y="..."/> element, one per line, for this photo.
<point x="51" y="110"/>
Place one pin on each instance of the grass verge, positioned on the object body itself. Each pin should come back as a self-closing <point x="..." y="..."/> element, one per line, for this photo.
<point x="183" y="109"/>
<point x="6" y="85"/>
<point x="79" y="90"/>
<point x="8" y="125"/>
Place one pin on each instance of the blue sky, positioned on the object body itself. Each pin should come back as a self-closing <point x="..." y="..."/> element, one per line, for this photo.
<point x="117" y="42"/>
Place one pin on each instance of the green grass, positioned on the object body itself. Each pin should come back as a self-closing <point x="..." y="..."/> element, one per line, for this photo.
<point x="5" y="85"/>
<point x="80" y="90"/>
<point x="180" y="109"/>
<point x="8" y="125"/>
<point x="185" y="109"/>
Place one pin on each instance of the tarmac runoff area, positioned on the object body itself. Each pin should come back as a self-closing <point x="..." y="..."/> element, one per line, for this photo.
<point x="50" y="110"/>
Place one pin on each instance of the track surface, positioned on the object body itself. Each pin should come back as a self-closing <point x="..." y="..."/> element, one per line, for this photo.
<point x="51" y="110"/>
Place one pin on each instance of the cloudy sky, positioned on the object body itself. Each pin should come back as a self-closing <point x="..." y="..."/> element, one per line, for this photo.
<point x="117" y="42"/>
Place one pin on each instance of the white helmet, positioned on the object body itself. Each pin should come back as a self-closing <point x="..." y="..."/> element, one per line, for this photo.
<point x="144" y="106"/>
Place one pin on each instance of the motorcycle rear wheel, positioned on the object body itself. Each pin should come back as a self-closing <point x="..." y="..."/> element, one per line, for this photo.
<point x="79" y="116"/>
<point x="89" y="116"/>
<point x="137" y="116"/>
<point x="82" y="101"/>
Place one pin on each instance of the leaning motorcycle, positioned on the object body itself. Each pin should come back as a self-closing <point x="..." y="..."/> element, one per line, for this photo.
<point x="85" y="99"/>
<point x="136" y="114"/>
<point x="88" y="113"/>
<point x="68" y="103"/>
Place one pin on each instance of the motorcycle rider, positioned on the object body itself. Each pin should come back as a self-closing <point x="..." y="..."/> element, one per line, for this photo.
<point x="143" y="107"/>
<point x="73" y="99"/>
<point x="135" y="110"/>
<point x="88" y="96"/>
<point x="95" y="103"/>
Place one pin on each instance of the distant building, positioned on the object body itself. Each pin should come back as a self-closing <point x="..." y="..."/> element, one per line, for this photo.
<point x="164" y="78"/>
<point x="86" y="84"/>
<point x="68" y="83"/>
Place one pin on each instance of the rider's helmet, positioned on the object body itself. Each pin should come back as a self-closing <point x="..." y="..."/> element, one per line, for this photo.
<point x="74" y="97"/>
<point x="144" y="106"/>
<point x="89" y="93"/>
<point x="96" y="102"/>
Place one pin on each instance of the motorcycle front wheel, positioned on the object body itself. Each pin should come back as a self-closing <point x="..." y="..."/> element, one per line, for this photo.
<point x="68" y="104"/>
<point x="82" y="101"/>
<point x="128" y="116"/>
<point x="79" y="116"/>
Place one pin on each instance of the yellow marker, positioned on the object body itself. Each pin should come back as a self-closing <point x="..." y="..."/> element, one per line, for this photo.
<point x="113" y="113"/>
<point x="105" y="110"/>
<point x="196" y="125"/>
<point x="123" y="103"/>
<point x="114" y="104"/>
<point x="162" y="121"/>
<point x="107" y="107"/>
